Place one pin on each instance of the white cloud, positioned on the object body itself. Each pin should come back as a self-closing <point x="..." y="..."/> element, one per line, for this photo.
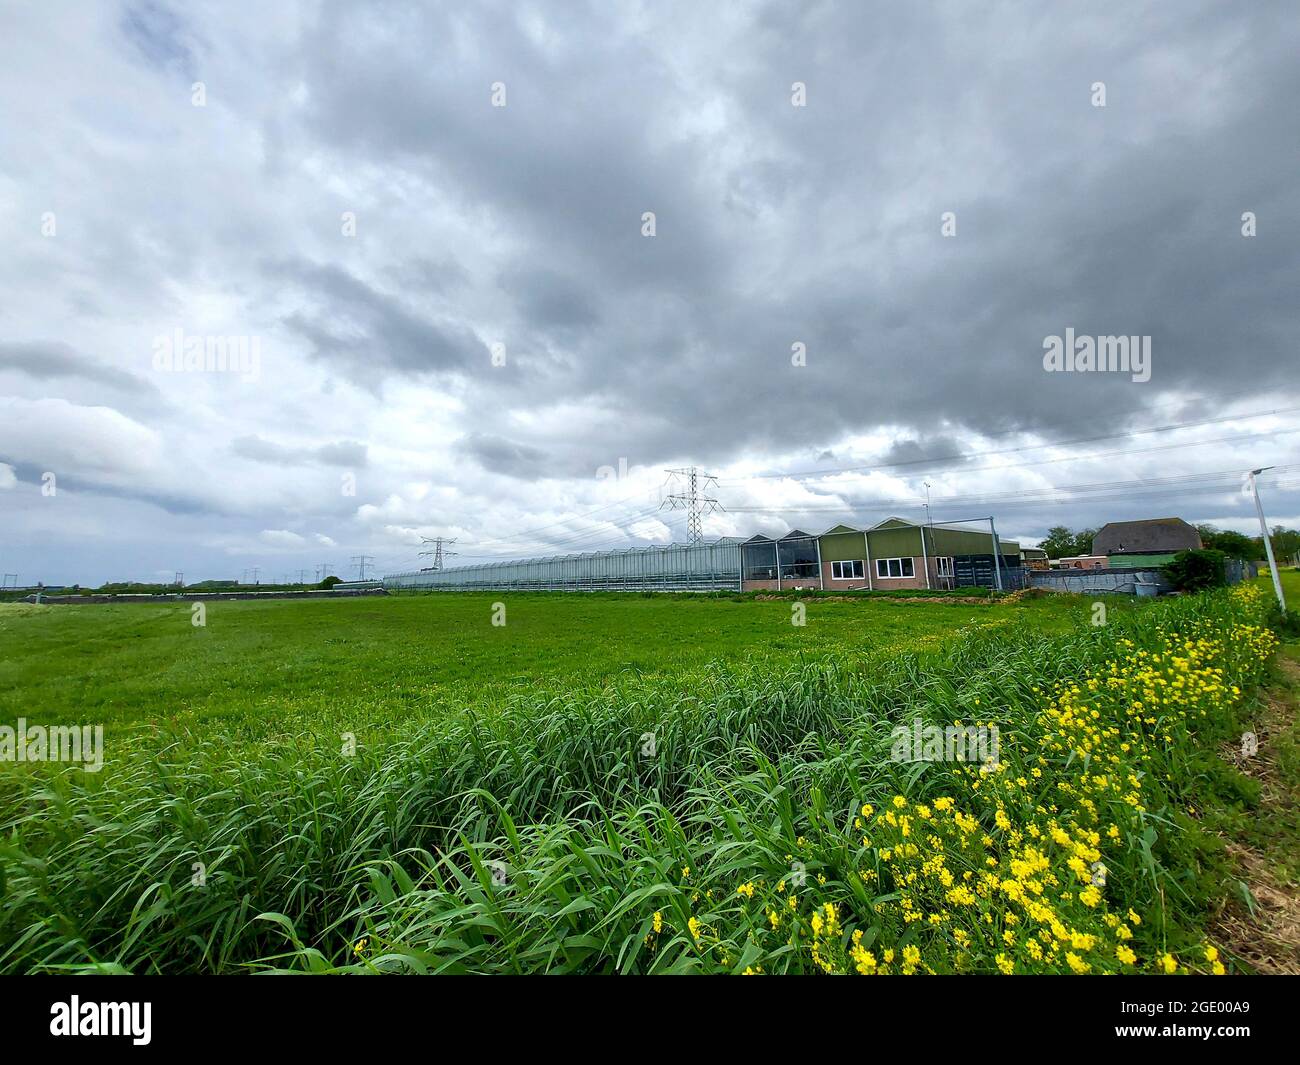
<point x="281" y="538"/>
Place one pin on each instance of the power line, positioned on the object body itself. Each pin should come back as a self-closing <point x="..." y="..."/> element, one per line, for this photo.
<point x="360" y="562"/>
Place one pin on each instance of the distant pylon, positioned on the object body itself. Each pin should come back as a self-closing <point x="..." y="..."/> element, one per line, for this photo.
<point x="439" y="552"/>
<point x="690" y="500"/>
<point x="361" y="562"/>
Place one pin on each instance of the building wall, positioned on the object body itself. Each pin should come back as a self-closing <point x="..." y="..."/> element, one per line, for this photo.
<point x="839" y="547"/>
<point x="967" y="542"/>
<point x="922" y="544"/>
<point x="1140" y="561"/>
<point x="901" y="542"/>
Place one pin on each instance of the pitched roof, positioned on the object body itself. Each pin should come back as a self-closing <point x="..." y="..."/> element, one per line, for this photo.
<point x="1148" y="535"/>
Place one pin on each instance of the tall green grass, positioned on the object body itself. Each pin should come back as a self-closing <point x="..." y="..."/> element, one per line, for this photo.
<point x="540" y="836"/>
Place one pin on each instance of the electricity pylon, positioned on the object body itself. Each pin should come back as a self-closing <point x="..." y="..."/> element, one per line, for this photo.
<point x="439" y="552"/>
<point x="690" y="500"/>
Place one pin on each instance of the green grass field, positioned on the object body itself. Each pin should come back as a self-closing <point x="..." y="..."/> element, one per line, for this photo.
<point x="264" y="669"/>
<point x="628" y="784"/>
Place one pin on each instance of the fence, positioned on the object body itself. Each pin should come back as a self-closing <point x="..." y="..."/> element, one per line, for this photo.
<point x="1100" y="581"/>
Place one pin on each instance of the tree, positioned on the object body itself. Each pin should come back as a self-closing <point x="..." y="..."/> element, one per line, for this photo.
<point x="1232" y="544"/>
<point x="1062" y="543"/>
<point x="1286" y="543"/>
<point x="1059" y="542"/>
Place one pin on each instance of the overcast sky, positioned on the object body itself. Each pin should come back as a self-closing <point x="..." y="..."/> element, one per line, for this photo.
<point x="430" y="222"/>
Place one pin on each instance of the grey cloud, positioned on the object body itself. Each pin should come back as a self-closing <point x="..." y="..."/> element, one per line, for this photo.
<point x="912" y="452"/>
<point x="365" y="333"/>
<point x="50" y="360"/>
<point x="775" y="224"/>
<point x="1066" y="213"/>
<point x="159" y="34"/>
<point x="499" y="455"/>
<point x="547" y="300"/>
<point x="348" y="454"/>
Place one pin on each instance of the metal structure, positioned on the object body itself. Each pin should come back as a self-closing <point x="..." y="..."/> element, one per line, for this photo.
<point x="693" y="567"/>
<point x="1268" y="543"/>
<point x="439" y="552"/>
<point x="695" y="505"/>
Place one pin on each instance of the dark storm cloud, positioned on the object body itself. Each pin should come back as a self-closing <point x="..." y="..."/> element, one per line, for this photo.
<point x="499" y="455"/>
<point x="822" y="224"/>
<point x="44" y="361"/>
<point x="549" y="301"/>
<point x="913" y="452"/>
<point x="365" y="333"/>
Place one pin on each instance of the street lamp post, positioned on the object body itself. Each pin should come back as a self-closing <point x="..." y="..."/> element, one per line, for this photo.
<point x="1268" y="545"/>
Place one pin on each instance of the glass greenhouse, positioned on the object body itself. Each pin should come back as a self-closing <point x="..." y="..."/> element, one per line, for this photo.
<point x="673" y="567"/>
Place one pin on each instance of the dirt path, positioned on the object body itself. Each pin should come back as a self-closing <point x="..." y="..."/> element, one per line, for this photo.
<point x="1265" y="931"/>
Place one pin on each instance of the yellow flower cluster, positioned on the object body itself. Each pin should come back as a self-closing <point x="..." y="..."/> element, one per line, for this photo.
<point x="1005" y="866"/>
<point x="1008" y="873"/>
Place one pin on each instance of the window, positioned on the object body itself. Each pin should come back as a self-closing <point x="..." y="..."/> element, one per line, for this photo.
<point x="760" y="561"/>
<point x="797" y="557"/>
<point x="894" y="567"/>
<point x="944" y="563"/>
<point x="848" y="571"/>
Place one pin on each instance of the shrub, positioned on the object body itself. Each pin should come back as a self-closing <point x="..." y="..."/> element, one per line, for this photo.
<point x="1194" y="571"/>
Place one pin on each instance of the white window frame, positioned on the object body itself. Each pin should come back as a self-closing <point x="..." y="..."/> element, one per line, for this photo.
<point x="904" y="562"/>
<point x="852" y="563"/>
<point x="943" y="565"/>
